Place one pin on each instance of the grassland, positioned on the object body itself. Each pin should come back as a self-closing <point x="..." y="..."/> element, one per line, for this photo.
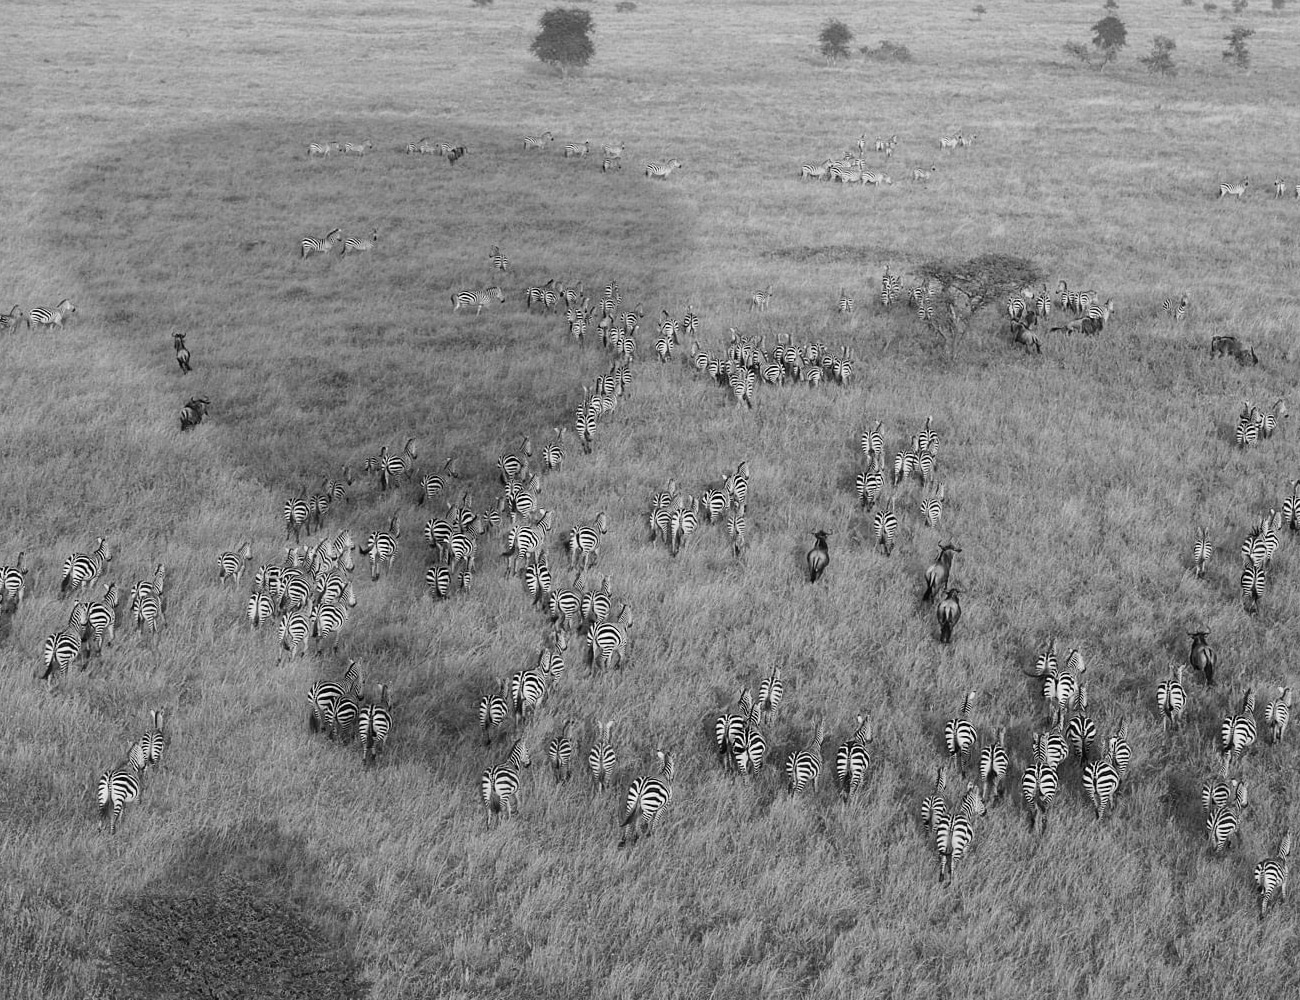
<point x="156" y="174"/>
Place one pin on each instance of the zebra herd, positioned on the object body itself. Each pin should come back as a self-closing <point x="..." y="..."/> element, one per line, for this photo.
<point x="43" y="318"/>
<point x="312" y="245"/>
<point x="850" y="166"/>
<point x="1237" y="189"/>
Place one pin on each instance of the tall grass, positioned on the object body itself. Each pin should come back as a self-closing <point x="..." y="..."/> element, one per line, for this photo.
<point x="157" y="175"/>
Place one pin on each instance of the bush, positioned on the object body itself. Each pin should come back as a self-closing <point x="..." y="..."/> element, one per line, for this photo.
<point x="1239" y="6"/>
<point x="625" y="6"/>
<point x="980" y="10"/>
<point x="1236" y="52"/>
<point x="887" y="51"/>
<point x="564" y="41"/>
<point x="835" y="39"/>
<point x="1159" y="60"/>
<point x="1109" y="36"/>
<point x="1279" y="4"/>
<point x="1078" y="51"/>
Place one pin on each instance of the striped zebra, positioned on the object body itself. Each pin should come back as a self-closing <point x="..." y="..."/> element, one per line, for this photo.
<point x="610" y="642"/>
<point x="804" y="767"/>
<point x="602" y="758"/>
<point x="891" y="288"/>
<point x="13" y="584"/>
<point x="583" y="542"/>
<point x="1175" y="309"/>
<point x="100" y="620"/>
<point x="729" y="727"/>
<point x="868" y="484"/>
<point x="231" y="564"/>
<point x="381" y="547"/>
<point x="1095" y="317"/>
<point x="538" y="141"/>
<point x="1203" y="550"/>
<point x="476" y="300"/>
<point x="1271" y="418"/>
<point x="1224" y="821"/>
<point x="934" y="806"/>
<point x="374" y="726"/>
<point x="923" y="175"/>
<point x="560" y="752"/>
<point x="737" y="530"/>
<point x="761" y="299"/>
<point x="646" y="798"/>
<point x="1039" y="785"/>
<point x="1277" y="715"/>
<point x="11" y="319"/>
<point x="661" y="171"/>
<point x="437" y="580"/>
<point x="954" y="833"/>
<point x="44" y="317"/>
<point x="357" y="148"/>
<point x="355" y="245"/>
<point x="770" y="692"/>
<point x="295" y="515"/>
<point x="814" y="172"/>
<point x="1271" y="875"/>
<point x="613" y="151"/>
<point x="853" y="759"/>
<point x="421" y="147"/>
<point x="311" y="244"/>
<point x="884" y="525"/>
<point x="193" y="412"/>
<point x="876" y="178"/>
<point x="993" y="768"/>
<point x="931" y="504"/>
<point x="1101" y="782"/>
<point x="323" y="697"/>
<point x="577" y="149"/>
<point x="295" y="634"/>
<point x="327" y="621"/>
<point x="844" y="304"/>
<point x="749" y="752"/>
<point x="1237" y="190"/>
<point x="949" y="141"/>
<point x="527" y="692"/>
<point x="1218" y="790"/>
<point x="80" y="569"/>
<point x="1253" y="581"/>
<point x="959" y="735"/>
<point x="1081" y="732"/>
<point x="58" y="651"/>
<point x="948" y="614"/>
<point x="117" y="788"/>
<point x="497" y="259"/>
<point x="153" y="742"/>
<point x="1171" y="699"/>
<point x="1237" y="732"/>
<point x="261" y="609"/>
<point x="499" y="786"/>
<point x="323" y="148"/>
<point x="492" y="711"/>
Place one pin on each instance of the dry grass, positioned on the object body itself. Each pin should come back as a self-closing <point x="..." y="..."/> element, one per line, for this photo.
<point x="158" y="176"/>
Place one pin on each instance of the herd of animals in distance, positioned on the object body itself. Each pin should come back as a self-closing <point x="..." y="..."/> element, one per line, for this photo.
<point x="310" y="595"/>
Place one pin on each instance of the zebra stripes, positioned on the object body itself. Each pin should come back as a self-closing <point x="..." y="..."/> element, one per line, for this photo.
<point x="48" y="318"/>
<point x="804" y="767"/>
<point x="499" y="786"/>
<point x="560" y="752"/>
<point x="1175" y="309"/>
<point x="58" y="652"/>
<point x="311" y="244"/>
<point x="476" y="300"/>
<point x="853" y="759"/>
<point x="1277" y="715"/>
<point x="81" y="569"/>
<point x="576" y="149"/>
<point x="646" y="798"/>
<point x="357" y="148"/>
<point x="1171" y="699"/>
<point x="497" y="259"/>
<point x="954" y="833"/>
<point x="374" y="725"/>
<point x="1237" y="732"/>
<point x="324" y="148"/>
<point x="1271" y="875"/>
<point x="661" y="171"/>
<point x="357" y="245"/>
<point x="602" y="758"/>
<point x="381" y="547"/>
<point x="959" y="735"/>
<point x="117" y="788"/>
<point x="538" y="141"/>
<point x="1236" y="189"/>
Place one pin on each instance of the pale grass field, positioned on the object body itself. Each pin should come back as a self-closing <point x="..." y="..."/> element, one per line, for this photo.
<point x="157" y="176"/>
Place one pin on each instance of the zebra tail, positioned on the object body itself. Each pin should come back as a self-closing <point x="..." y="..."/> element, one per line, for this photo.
<point x="631" y="815"/>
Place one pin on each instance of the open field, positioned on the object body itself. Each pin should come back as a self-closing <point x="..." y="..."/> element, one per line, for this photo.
<point x="157" y="175"/>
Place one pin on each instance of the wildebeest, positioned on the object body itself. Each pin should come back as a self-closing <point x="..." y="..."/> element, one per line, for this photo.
<point x="1227" y="344"/>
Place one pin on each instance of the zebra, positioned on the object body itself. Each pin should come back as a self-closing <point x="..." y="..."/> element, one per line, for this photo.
<point x="939" y="571"/>
<point x="499" y="786"/>
<point x="1237" y="190"/>
<point x="646" y="798"/>
<point x="117" y="788"/>
<point x="931" y="504"/>
<point x="260" y="609"/>
<point x="804" y="767"/>
<point x="1271" y="875"/>
<point x="884" y="524"/>
<point x="527" y="692"/>
<point x="322" y="698"/>
<point x="80" y="569"/>
<point x="11" y="319"/>
<point x="357" y="245"/>
<point x="736" y="531"/>
<point x="949" y="614"/>
<point x="1253" y="580"/>
<point x="876" y="178"/>
<point x="809" y="172"/>
<point x="295" y="633"/>
<point x="749" y="752"/>
<point x="612" y="151"/>
<point x="923" y="175"/>
<point x="357" y="148"/>
<point x="13" y="584"/>
<point x="1171" y="698"/>
<point x="43" y="316"/>
<point x="1081" y="732"/>
<point x="950" y="141"/>
<point x="193" y="412"/>
<point x="934" y="807"/>
<point x="58" y="651"/>
<point x="1101" y="782"/>
<point x="374" y="725"/>
<point x="1175" y="309"/>
<point x="1224" y="821"/>
<point x="380" y="546"/>
<point x="1277" y="715"/>
<point x="770" y="692"/>
<point x="1095" y="317"/>
<point x="324" y="148"/>
<point x="539" y="141"/>
<point x="819" y="556"/>
<point x="182" y="353"/>
<point x="327" y="621"/>
<point x="993" y="768"/>
<point x="954" y="833"/>
<point x="1237" y="732"/>
<point x="609" y="641"/>
<point x="476" y="299"/>
<point x="492" y="711"/>
<point x="601" y="758"/>
<point x="959" y="735"/>
<point x="421" y="147"/>
<point x="661" y="171"/>
<point x="295" y="515"/>
<point x="576" y="149"/>
<point x="761" y="299"/>
<point x="584" y="541"/>
<point x="1039" y="785"/>
<point x="560" y="750"/>
<point x="497" y="259"/>
<point x="311" y="245"/>
<point x="153" y="742"/>
<point x="1202" y="551"/>
<point x="100" y="620"/>
<point x="729" y="727"/>
<point x="232" y="563"/>
<point x="1271" y="418"/>
<point x="853" y="759"/>
<point x="844" y="304"/>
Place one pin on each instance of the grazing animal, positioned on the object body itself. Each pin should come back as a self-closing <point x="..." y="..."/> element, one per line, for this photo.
<point x="661" y="171"/>
<point x="49" y="318"/>
<point x="646" y="798"/>
<point x="118" y="787"/>
<point x="1201" y="657"/>
<point x="1277" y="714"/>
<point x="1271" y="875"/>
<point x="1237" y="189"/>
<point x="10" y="320"/>
<point x="311" y="244"/>
<point x="321" y="148"/>
<point x="1175" y="309"/>
<point x="576" y="149"/>
<point x="955" y="832"/>
<point x="804" y="767"/>
<point x="1101" y="782"/>
<point x="1229" y="345"/>
<point x="853" y="759"/>
<point x="819" y="556"/>
<point x="949" y="614"/>
<point x="357" y="148"/>
<point x="357" y="245"/>
<point x="959" y="735"/>
<point x="499" y="786"/>
<point x="182" y="353"/>
<point x="1202" y="551"/>
<point x="476" y="299"/>
<point x="193" y="412"/>
<point x="1039" y="785"/>
<point x="601" y="758"/>
<point x="539" y="141"/>
<point x="938" y="572"/>
<point x="1171" y="698"/>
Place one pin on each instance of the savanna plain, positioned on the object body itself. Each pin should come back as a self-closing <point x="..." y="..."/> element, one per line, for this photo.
<point x="157" y="175"/>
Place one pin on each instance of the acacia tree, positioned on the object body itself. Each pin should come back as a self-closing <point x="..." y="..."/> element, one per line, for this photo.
<point x="1236" y="52"/>
<point x="565" y="39"/>
<point x="835" y="39"/>
<point x="1109" y="35"/>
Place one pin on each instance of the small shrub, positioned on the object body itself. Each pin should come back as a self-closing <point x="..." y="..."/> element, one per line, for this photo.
<point x="625" y="6"/>
<point x="1078" y="51"/>
<point x="1159" y="61"/>
<point x="1239" y="6"/>
<point x="1236" y="52"/>
<point x="482" y="3"/>
<point x="980" y="10"/>
<point x="887" y="51"/>
<point x="835" y="39"/>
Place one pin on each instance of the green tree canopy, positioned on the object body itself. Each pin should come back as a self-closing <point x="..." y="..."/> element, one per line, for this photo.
<point x="565" y="38"/>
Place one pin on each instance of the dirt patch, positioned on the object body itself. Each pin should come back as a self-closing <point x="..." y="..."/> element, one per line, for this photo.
<point x="231" y="922"/>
